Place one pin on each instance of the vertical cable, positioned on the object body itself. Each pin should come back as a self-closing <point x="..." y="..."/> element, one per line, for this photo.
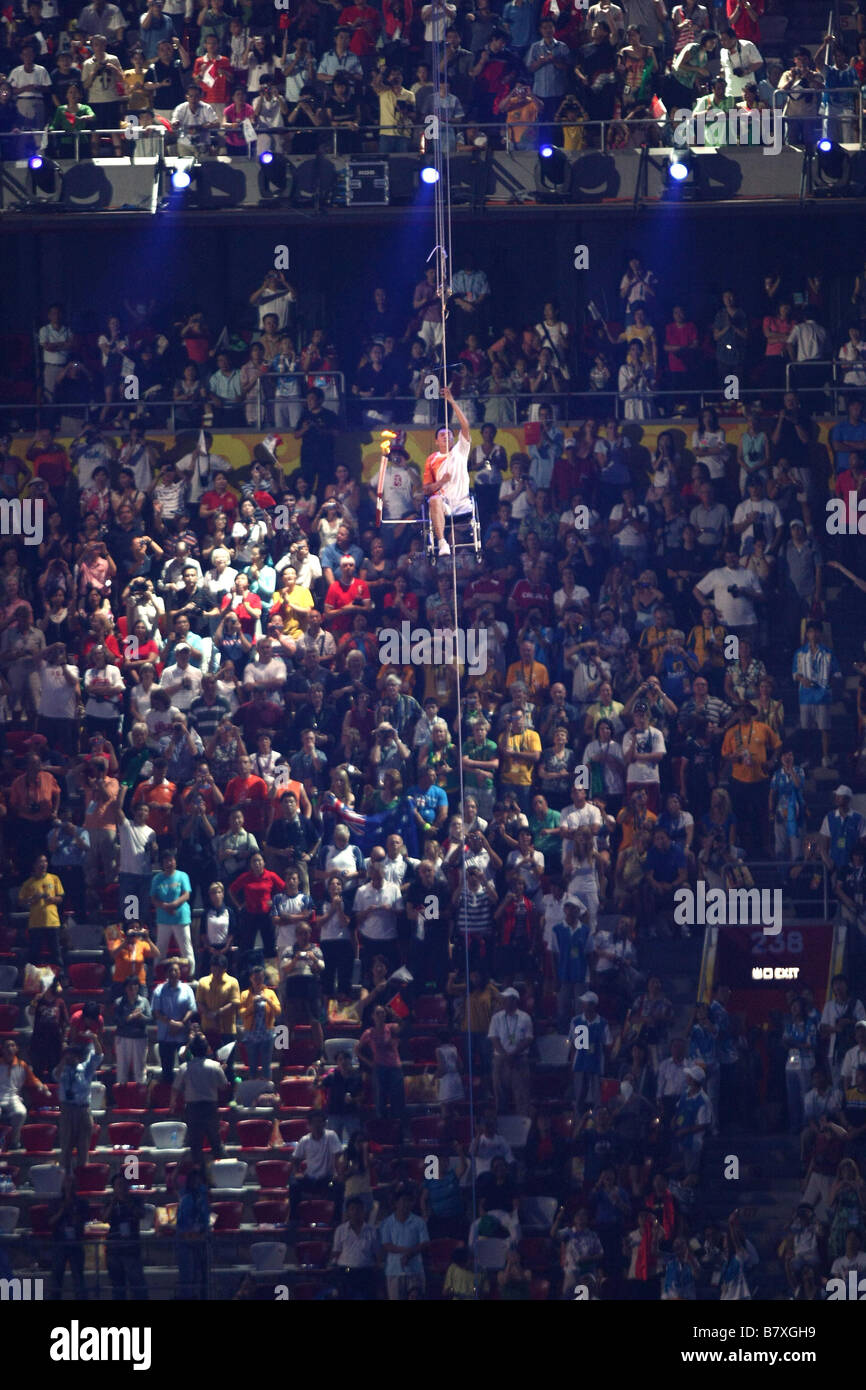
<point x="442" y="252"/>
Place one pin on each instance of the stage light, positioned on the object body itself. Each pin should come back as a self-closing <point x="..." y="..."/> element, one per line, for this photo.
<point x="35" y="162"/>
<point x="552" y="173"/>
<point x="678" y="169"/>
<point x="429" y="175"/>
<point x="274" y="173"/>
<point x="44" y="176"/>
<point x="180" y="180"/>
<point x="825" y="145"/>
<point x="833" y="165"/>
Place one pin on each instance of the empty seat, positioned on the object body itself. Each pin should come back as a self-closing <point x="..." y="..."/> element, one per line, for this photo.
<point x="298" y="1094"/>
<point x="46" y="1179"/>
<point x="125" y="1134"/>
<point x="422" y="1051"/>
<point x="317" y="1211"/>
<point x="431" y="1011"/>
<point x="228" y="1216"/>
<point x="87" y="977"/>
<point x="40" y="1216"/>
<point x="427" y="1129"/>
<point x="8" y="978"/>
<point x="292" y="1130"/>
<point x="491" y="1252"/>
<point x="552" y="1050"/>
<point x="168" y="1134"/>
<point x="228" y="1172"/>
<point x="92" y="1177"/>
<point x="8" y="1219"/>
<point x="312" y="1254"/>
<point x="97" y="1098"/>
<point x="439" y="1253"/>
<point x="538" y="1253"/>
<point x="514" y="1129"/>
<point x="148" y="1217"/>
<point x="39" y="1139"/>
<point x="254" y="1134"/>
<point x="160" y="1098"/>
<point x="130" y="1098"/>
<point x="538" y="1211"/>
<point x="272" y="1174"/>
<point x="302" y="1051"/>
<point x="8" y="1019"/>
<point x="143" y="1174"/>
<point x="268" y="1254"/>
<point x="271" y="1211"/>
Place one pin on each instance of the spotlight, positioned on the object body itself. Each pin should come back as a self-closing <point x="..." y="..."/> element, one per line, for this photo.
<point x="44" y="176"/>
<point x="180" y="180"/>
<point x="552" y="173"/>
<point x="833" y="171"/>
<point x="678" y="166"/>
<point x="35" y="162"/>
<point x="274" y="173"/>
<point x="825" y="145"/>
<point x="429" y="174"/>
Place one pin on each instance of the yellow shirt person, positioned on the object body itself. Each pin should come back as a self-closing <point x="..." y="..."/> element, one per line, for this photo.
<point x="37" y="894"/>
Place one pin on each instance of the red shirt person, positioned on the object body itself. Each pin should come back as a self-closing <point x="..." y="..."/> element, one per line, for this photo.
<point x="253" y="891"/>
<point x="347" y="596"/>
<point x="365" y="23"/>
<point x="250" y="795"/>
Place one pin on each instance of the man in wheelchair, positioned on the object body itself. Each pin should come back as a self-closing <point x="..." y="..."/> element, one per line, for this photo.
<point x="446" y="475"/>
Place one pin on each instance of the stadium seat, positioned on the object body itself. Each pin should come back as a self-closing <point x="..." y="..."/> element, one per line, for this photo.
<point x="538" y="1212"/>
<point x="271" y="1211"/>
<point x="39" y="1139"/>
<point x="298" y="1094"/>
<point x="146" y="1172"/>
<point x="312" y="1254"/>
<point x="125" y="1134"/>
<point x="223" y="1133"/>
<point x="422" y="1051"/>
<point x="439" y="1253"/>
<point x="247" y="1094"/>
<point x="92" y="1177"/>
<point x="97" y="1098"/>
<point x="292" y="1130"/>
<point x="228" y="1172"/>
<point x="87" y="977"/>
<point x="334" y="1046"/>
<point x="160" y="1098"/>
<point x="431" y="1011"/>
<point x="40" y="1217"/>
<point x="168" y="1134"/>
<point x="514" y="1129"/>
<point x="130" y="1098"/>
<point x="538" y="1253"/>
<point x="228" y="1216"/>
<point x="8" y="978"/>
<point x="8" y="1219"/>
<point x="316" y="1212"/>
<point x="491" y="1253"/>
<point x="427" y="1129"/>
<point x="46" y="1179"/>
<point x="9" y="1020"/>
<point x="268" y="1255"/>
<point x="387" y="1132"/>
<point x="273" y="1174"/>
<point x="551" y="1050"/>
<point x="303" y="1051"/>
<point x="254" y="1134"/>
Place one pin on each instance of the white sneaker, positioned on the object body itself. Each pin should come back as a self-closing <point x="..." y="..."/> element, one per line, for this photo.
<point x="444" y="547"/>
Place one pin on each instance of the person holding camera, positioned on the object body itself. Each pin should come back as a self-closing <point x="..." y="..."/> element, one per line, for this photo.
<point x="102" y="78"/>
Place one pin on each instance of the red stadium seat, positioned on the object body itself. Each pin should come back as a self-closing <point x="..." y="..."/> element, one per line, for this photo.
<point x="298" y="1094"/>
<point x="439" y="1254"/>
<point x="87" y="977"/>
<point x="271" y="1212"/>
<point x="228" y="1216"/>
<point x="302" y="1051"/>
<point x="422" y="1051"/>
<point x="292" y="1130"/>
<point x="39" y="1139"/>
<point x="224" y="1130"/>
<point x="39" y="1219"/>
<point x="129" y="1098"/>
<point x="146" y="1173"/>
<point x="431" y="1011"/>
<point x="387" y="1132"/>
<point x="562" y="1125"/>
<point x="160" y="1098"/>
<point x="254" y="1134"/>
<point x="316" y="1212"/>
<point x="538" y="1253"/>
<point x="9" y="1015"/>
<point x="93" y="1177"/>
<point x="313" y="1253"/>
<point x="125" y="1134"/>
<point x="427" y="1129"/>
<point x="272" y="1174"/>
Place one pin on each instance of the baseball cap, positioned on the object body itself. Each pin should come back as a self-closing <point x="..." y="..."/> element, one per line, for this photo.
<point x="510" y="993"/>
<point x="589" y="998"/>
<point x="843" y="791"/>
<point x="694" y="1072"/>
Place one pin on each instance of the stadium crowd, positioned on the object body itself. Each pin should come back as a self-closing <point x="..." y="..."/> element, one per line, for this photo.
<point x="212" y="754"/>
<point x="251" y="77"/>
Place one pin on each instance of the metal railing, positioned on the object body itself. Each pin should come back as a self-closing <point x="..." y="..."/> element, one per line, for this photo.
<point x="621" y="133"/>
